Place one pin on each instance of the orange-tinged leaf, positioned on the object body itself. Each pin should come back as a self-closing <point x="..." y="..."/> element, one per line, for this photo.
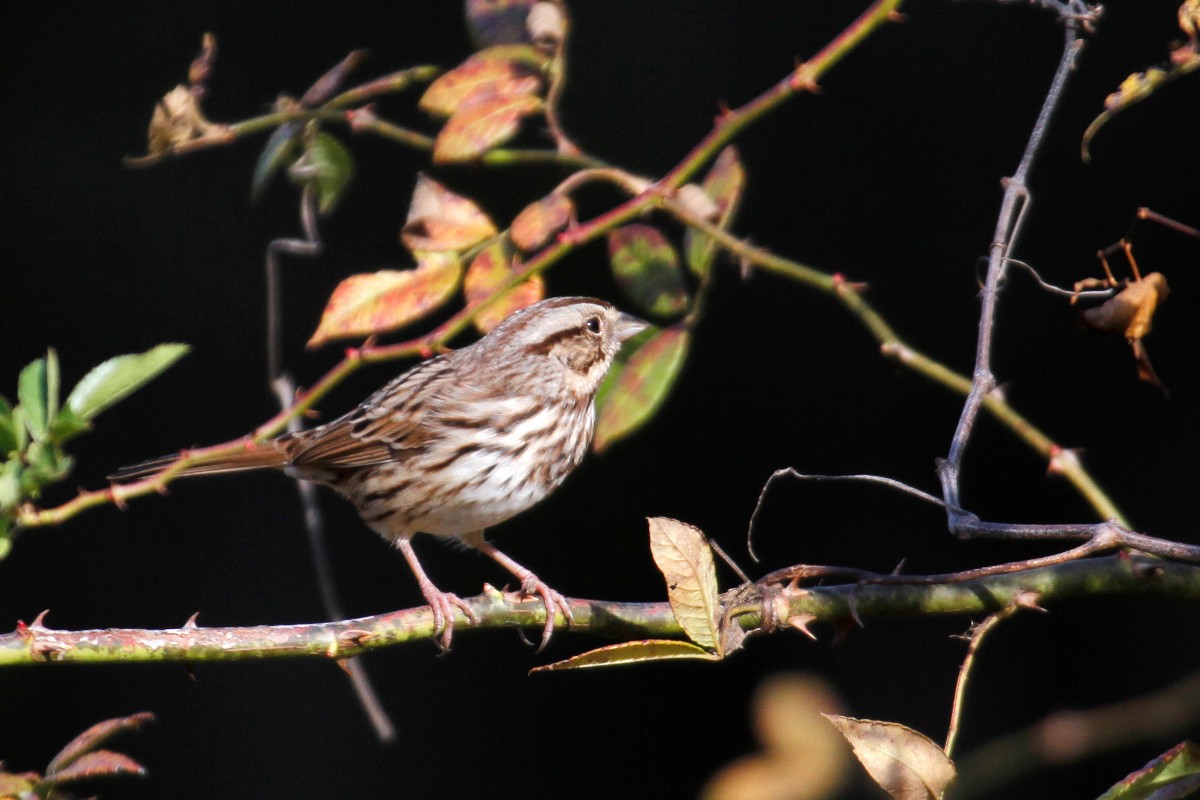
<point x="500" y="71"/>
<point x="441" y="220"/>
<point x="542" y="220"/>
<point x="906" y="764"/>
<point x="476" y="128"/>
<point x="632" y="653"/>
<point x="1130" y="313"/>
<point x="724" y="183"/>
<point x="686" y="562"/>
<point x="489" y="273"/>
<point x="377" y="302"/>
<point x="634" y="390"/>
<point x="647" y="269"/>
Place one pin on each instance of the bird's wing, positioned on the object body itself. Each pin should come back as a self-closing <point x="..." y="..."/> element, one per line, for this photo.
<point x="387" y="426"/>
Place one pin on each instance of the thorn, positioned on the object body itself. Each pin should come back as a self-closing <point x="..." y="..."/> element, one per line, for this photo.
<point x="425" y="351"/>
<point x="999" y="391"/>
<point x="1062" y="460"/>
<point x="114" y="498"/>
<point x="344" y="663"/>
<point x="899" y="568"/>
<point x="1028" y="600"/>
<point x="897" y="16"/>
<point x="354" y="637"/>
<point x="801" y="622"/>
<point x="1145" y="569"/>
<point x="39" y="622"/>
<point x="191" y="625"/>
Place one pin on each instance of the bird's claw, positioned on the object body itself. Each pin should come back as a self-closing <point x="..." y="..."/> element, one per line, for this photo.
<point x="443" y="604"/>
<point x="531" y="586"/>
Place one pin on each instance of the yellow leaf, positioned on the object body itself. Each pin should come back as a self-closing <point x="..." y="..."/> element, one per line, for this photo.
<point x="631" y="653"/>
<point x="440" y="220"/>
<point x="686" y="561"/>
<point x="489" y="273"/>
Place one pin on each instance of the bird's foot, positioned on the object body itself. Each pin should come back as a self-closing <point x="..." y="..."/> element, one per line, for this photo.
<point x="532" y="586"/>
<point x="443" y="604"/>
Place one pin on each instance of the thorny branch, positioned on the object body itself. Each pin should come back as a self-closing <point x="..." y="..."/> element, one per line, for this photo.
<point x="866" y="597"/>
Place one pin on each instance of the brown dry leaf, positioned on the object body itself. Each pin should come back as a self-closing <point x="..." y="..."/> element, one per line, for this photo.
<point x="481" y="125"/>
<point x="177" y="120"/>
<point x="377" y="302"/>
<point x="686" y="561"/>
<point x="441" y="220"/>
<point x="632" y="653"/>
<point x="500" y="71"/>
<point x="542" y="220"/>
<point x="906" y="764"/>
<point x="1130" y="314"/>
<point x="489" y="272"/>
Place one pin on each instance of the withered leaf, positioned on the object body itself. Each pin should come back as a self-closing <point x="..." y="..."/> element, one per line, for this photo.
<point x="632" y="653"/>
<point x="1130" y="314"/>
<point x="906" y="764"/>
<point x="685" y="559"/>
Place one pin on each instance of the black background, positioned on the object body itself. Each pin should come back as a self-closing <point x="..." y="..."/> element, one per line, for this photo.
<point x="891" y="175"/>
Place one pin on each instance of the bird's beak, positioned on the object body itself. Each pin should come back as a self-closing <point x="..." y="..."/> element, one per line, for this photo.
<point x="629" y="326"/>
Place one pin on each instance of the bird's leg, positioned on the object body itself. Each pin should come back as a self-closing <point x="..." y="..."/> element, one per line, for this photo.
<point x="531" y="585"/>
<point x="442" y="603"/>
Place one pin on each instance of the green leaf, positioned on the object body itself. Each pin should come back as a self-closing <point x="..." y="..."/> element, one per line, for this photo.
<point x="332" y="170"/>
<point x="8" y="432"/>
<point x="1180" y="763"/>
<point x="279" y="150"/>
<point x="633" y="392"/>
<point x="10" y="484"/>
<point x="120" y="376"/>
<point x="5" y="549"/>
<point x="632" y="653"/>
<point x="67" y="425"/>
<point x="647" y="269"/>
<point x="724" y="183"/>
<point x="33" y="395"/>
<point x="46" y="463"/>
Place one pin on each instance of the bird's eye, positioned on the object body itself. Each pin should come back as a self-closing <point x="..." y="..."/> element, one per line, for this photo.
<point x="592" y="324"/>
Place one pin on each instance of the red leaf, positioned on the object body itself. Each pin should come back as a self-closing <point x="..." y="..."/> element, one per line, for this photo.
<point x="500" y="71"/>
<point x="97" y="764"/>
<point x="378" y="302"/>
<point x="476" y="128"/>
<point x="489" y="272"/>
<point x="540" y="221"/>
<point x="94" y="736"/>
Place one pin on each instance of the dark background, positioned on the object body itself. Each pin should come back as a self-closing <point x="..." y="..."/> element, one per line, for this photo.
<point x="891" y="175"/>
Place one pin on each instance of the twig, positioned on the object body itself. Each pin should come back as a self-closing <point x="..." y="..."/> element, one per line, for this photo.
<point x="975" y="637"/>
<point x="1004" y="241"/>
<point x="285" y="391"/>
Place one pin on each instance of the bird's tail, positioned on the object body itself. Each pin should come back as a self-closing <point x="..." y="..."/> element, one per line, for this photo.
<point x="264" y="455"/>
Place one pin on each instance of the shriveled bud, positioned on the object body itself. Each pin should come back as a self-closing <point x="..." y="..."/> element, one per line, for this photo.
<point x="546" y="25"/>
<point x="697" y="201"/>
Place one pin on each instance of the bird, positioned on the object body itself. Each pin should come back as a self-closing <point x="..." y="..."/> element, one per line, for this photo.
<point x="460" y="442"/>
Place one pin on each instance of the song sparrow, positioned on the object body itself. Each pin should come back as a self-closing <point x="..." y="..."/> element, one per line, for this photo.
<point x="462" y="441"/>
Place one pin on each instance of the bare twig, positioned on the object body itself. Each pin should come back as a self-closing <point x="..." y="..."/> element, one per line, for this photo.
<point x="285" y="392"/>
<point x="1074" y="15"/>
<point x="975" y="637"/>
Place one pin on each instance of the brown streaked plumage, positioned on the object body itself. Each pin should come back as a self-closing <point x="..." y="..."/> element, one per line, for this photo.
<point x="462" y="441"/>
